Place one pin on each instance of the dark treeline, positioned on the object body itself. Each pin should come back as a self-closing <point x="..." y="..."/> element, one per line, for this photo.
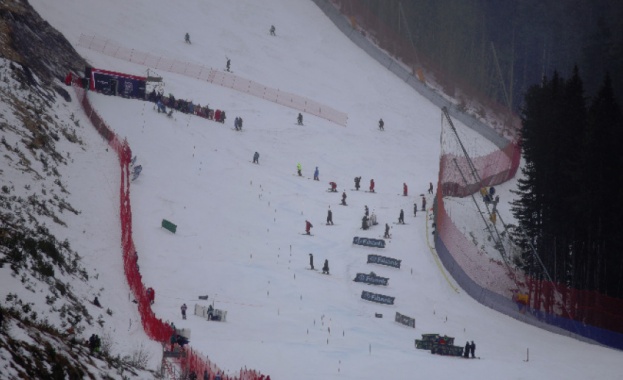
<point x="570" y="200"/>
<point x="501" y="48"/>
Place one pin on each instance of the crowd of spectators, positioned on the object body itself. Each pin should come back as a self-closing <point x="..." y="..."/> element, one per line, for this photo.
<point x="185" y="106"/>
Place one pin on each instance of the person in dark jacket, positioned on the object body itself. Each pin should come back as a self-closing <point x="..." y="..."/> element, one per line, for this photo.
<point x="187" y="38"/>
<point x="344" y="198"/>
<point x="329" y="217"/>
<point x="96" y="302"/>
<point x="364" y="223"/>
<point x="466" y="350"/>
<point x="316" y="174"/>
<point x="299" y="119"/>
<point x="357" y="180"/>
<point x="401" y="218"/>
<point x="256" y="158"/>
<point x="381" y="125"/>
<point x="183" y="309"/>
<point x="472" y="349"/>
<point x="386" y="236"/>
<point x="325" y="267"/>
<point x="311" y="261"/>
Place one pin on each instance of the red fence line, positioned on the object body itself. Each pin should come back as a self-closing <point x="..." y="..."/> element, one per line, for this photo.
<point x="154" y="327"/>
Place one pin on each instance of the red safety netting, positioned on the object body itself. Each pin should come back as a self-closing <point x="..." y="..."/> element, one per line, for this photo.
<point x="154" y="327"/>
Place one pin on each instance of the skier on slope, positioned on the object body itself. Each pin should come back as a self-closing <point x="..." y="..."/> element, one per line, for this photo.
<point x="325" y="267"/>
<point x="308" y="227"/>
<point x="372" y="185"/>
<point x="357" y="180"/>
<point x="228" y="64"/>
<point x="430" y="188"/>
<point x="316" y="174"/>
<point x="329" y="217"/>
<point x="401" y="218"/>
<point x="423" y="203"/>
<point x="311" y="261"/>
<point x="381" y="125"/>
<point x="183" y="309"/>
<point x="187" y="38"/>
<point x="343" y="198"/>
<point x="299" y="119"/>
<point x="366" y="211"/>
<point x="386" y="236"/>
<point x="405" y="191"/>
<point x="298" y="169"/>
<point x="272" y="30"/>
<point x="333" y="187"/>
<point x="364" y="223"/>
<point x="256" y="158"/>
<point x="415" y="209"/>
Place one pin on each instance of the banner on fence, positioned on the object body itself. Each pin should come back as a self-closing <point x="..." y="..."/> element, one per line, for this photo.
<point x="383" y="260"/>
<point x="115" y="83"/>
<point x="405" y="320"/>
<point x="378" y="243"/>
<point x="379" y="298"/>
<point x="371" y="279"/>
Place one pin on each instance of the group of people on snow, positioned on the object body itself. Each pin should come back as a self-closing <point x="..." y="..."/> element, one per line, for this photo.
<point x="238" y="123"/>
<point x="325" y="267"/>
<point x="470" y="349"/>
<point x="185" y="106"/>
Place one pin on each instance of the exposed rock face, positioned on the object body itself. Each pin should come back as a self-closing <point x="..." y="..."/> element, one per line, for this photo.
<point x="29" y="40"/>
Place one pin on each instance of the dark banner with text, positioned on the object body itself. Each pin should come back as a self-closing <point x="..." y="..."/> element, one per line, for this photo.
<point x="383" y="260"/>
<point x="371" y="279"/>
<point x="405" y="320"/>
<point x="379" y="298"/>
<point x="377" y="243"/>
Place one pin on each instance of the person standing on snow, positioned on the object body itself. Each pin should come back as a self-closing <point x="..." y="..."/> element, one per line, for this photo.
<point x="415" y="209"/>
<point x="183" y="309"/>
<point x="423" y="203"/>
<point x="187" y="38"/>
<point x="311" y="261"/>
<point x="325" y="268"/>
<point x="366" y="211"/>
<point x="381" y="125"/>
<point x="299" y="119"/>
<point x="401" y="218"/>
<point x="329" y="217"/>
<point x="357" y="180"/>
<point x="430" y="188"/>
<point x="298" y="169"/>
<point x="405" y="191"/>
<point x="343" y="198"/>
<point x="272" y="30"/>
<point x="386" y="236"/>
<point x="372" y="185"/>
<point x="316" y="174"/>
<point x="256" y="158"/>
<point x="308" y="227"/>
